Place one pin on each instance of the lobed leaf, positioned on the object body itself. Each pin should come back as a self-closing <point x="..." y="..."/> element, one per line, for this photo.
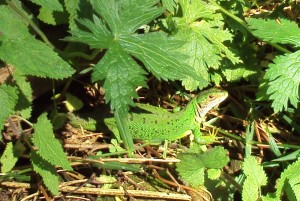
<point x="281" y="82"/>
<point x="125" y="17"/>
<point x="122" y="74"/>
<point x="204" y="40"/>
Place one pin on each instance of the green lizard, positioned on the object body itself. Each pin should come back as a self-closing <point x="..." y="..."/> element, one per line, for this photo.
<point x="151" y="123"/>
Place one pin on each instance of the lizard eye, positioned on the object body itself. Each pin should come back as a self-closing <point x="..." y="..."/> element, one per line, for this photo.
<point x="210" y="96"/>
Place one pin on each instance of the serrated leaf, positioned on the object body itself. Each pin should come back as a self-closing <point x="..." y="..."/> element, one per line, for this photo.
<point x="115" y="32"/>
<point x="281" y="82"/>
<point x="255" y="178"/>
<point x="289" y="179"/>
<point x="250" y="192"/>
<point x="192" y="166"/>
<point x="48" y="146"/>
<point x="251" y="168"/>
<point x="8" y="158"/>
<point x="12" y="26"/>
<point x="21" y="53"/>
<point x="215" y="158"/>
<point x="204" y="40"/>
<point x="124" y="17"/>
<point x="191" y="169"/>
<point x="161" y="63"/>
<point x="8" y="100"/>
<point x="51" y="17"/>
<point x="118" y="70"/>
<point x="281" y="31"/>
<point x="25" y="96"/>
<point x="72" y="6"/>
<point x="20" y="49"/>
<point x="47" y="172"/>
<point x="53" y="4"/>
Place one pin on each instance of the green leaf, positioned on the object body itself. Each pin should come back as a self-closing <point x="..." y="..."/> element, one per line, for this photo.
<point x="47" y="172"/>
<point x="191" y="169"/>
<point x="73" y="103"/>
<point x="170" y="5"/>
<point x="289" y="182"/>
<point x="115" y="32"/>
<point x="281" y="82"/>
<point x="53" y="17"/>
<point x="282" y="31"/>
<point x="72" y="6"/>
<point x="125" y="17"/>
<point x="255" y="178"/>
<point x="192" y="165"/>
<point x="117" y="68"/>
<point x="8" y="158"/>
<point x="25" y="96"/>
<point x="52" y="5"/>
<point x="205" y="40"/>
<point x="157" y="59"/>
<point x="12" y="26"/>
<point x="48" y="146"/>
<point x="8" y="100"/>
<point x="19" y="48"/>
<point x="21" y="53"/>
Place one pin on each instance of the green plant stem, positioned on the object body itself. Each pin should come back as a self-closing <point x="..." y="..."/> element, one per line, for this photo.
<point x="243" y="23"/>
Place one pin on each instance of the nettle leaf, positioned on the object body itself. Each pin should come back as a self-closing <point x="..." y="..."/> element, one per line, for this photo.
<point x="8" y="158"/>
<point x="282" y="31"/>
<point x="25" y="96"/>
<point x="281" y="82"/>
<point x="25" y="53"/>
<point x="52" y="5"/>
<point x="192" y="165"/>
<point x="255" y="178"/>
<point x="191" y="169"/>
<point x="48" y="146"/>
<point x="115" y="31"/>
<point x="205" y="40"/>
<point x="47" y="172"/>
<point x="289" y="182"/>
<point x="8" y="100"/>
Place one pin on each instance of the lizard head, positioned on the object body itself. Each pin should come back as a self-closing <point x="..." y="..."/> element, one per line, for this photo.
<point x="208" y="99"/>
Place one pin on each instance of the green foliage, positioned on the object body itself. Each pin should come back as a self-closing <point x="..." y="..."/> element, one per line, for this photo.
<point x="282" y="79"/>
<point x="289" y="182"/>
<point x="48" y="146"/>
<point x="8" y="158"/>
<point x="51" y="5"/>
<point x="115" y="32"/>
<point x="47" y="172"/>
<point x="282" y="31"/>
<point x="193" y="165"/>
<point x="196" y="42"/>
<point x="204" y="40"/>
<point x="8" y="100"/>
<point x="255" y="178"/>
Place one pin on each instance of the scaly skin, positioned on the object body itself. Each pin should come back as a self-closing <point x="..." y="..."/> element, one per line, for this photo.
<point x="155" y="124"/>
